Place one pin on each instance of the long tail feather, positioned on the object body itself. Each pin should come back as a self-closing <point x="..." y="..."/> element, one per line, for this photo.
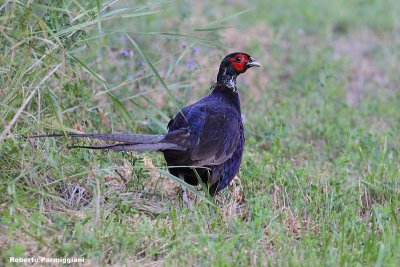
<point x="128" y="138"/>
<point x="135" y="147"/>
<point x="129" y="142"/>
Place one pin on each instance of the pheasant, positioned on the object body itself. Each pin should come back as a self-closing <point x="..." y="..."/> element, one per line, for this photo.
<point x="205" y="140"/>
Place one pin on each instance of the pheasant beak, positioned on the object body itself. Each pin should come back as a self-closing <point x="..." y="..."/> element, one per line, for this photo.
<point x="253" y="63"/>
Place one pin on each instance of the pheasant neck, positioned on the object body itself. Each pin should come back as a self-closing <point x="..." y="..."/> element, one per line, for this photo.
<point x="221" y="91"/>
<point x="226" y="79"/>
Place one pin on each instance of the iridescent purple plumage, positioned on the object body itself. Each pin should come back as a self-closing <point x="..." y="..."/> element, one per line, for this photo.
<point x="216" y="130"/>
<point x="205" y="139"/>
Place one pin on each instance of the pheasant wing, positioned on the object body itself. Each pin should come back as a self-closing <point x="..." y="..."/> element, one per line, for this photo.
<point x="218" y="135"/>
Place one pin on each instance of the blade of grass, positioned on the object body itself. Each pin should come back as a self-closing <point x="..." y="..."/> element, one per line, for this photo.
<point x="381" y="189"/>
<point x="171" y="87"/>
<point x="26" y="101"/>
<point x="186" y="185"/>
<point x="46" y="28"/>
<point x="172" y="66"/>
<point x="159" y="111"/>
<point x="114" y="14"/>
<point x="56" y="108"/>
<point x="191" y="38"/>
<point x="160" y="126"/>
<point x="121" y="109"/>
<point x="98" y="5"/>
<point x="214" y="29"/>
<point x="154" y="71"/>
<point x="142" y="14"/>
<point x="237" y="14"/>
<point x="51" y="8"/>
<point x="89" y="69"/>
<point x="205" y="187"/>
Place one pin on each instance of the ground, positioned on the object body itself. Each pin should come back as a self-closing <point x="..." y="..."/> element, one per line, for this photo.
<point x="319" y="183"/>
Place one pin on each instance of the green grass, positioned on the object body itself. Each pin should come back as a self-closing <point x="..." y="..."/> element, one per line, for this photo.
<point x="320" y="179"/>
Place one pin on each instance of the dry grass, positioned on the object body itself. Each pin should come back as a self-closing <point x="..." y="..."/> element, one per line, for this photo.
<point x="364" y="66"/>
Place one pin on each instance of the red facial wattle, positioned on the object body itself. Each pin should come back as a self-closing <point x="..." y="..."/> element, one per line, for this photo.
<point x="239" y="61"/>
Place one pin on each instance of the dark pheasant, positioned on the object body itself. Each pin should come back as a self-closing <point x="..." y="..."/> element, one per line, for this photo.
<point x="206" y="136"/>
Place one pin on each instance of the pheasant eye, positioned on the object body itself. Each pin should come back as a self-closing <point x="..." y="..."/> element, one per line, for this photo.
<point x="238" y="59"/>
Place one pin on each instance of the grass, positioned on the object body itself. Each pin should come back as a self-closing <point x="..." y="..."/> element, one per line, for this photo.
<point x="319" y="183"/>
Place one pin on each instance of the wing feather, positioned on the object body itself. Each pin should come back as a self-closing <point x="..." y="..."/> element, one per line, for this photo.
<point x="213" y="133"/>
<point x="218" y="138"/>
